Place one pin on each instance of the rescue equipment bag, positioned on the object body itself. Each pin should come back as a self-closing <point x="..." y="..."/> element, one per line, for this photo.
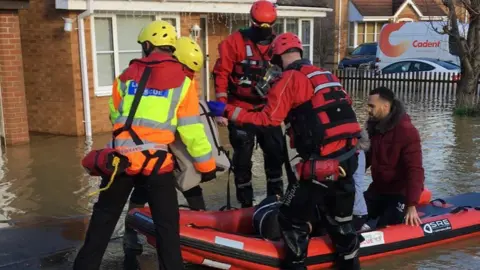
<point x="101" y="162"/>
<point x="320" y="170"/>
<point x="185" y="173"/>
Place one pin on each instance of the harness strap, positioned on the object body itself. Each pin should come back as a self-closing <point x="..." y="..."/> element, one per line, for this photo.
<point x="161" y="154"/>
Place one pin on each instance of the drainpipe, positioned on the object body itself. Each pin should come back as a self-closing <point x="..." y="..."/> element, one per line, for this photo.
<point x="84" y="71"/>
<point x="339" y="30"/>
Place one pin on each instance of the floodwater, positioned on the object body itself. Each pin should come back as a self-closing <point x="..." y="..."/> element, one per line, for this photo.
<point x="44" y="203"/>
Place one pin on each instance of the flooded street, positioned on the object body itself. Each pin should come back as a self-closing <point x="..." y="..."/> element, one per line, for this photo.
<point x="43" y="190"/>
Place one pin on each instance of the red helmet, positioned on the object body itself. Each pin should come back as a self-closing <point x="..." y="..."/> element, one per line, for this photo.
<point x="284" y="42"/>
<point x="263" y="12"/>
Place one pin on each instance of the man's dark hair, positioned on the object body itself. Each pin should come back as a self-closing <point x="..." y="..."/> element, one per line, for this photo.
<point x="384" y="93"/>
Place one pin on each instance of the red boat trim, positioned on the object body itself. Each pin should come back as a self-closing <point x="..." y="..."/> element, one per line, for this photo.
<point x="147" y="227"/>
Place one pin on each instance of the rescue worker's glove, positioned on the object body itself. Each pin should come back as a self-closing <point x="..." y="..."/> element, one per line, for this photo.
<point x="217" y="108"/>
<point x="209" y="176"/>
<point x="101" y="162"/>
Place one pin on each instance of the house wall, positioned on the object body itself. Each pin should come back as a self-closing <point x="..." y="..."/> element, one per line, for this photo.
<point x="12" y="84"/>
<point x="52" y="69"/>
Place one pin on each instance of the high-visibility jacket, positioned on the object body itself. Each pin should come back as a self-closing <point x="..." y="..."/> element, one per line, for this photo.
<point x="168" y="104"/>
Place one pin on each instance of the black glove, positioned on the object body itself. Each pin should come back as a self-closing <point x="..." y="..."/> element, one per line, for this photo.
<point x="208" y="176"/>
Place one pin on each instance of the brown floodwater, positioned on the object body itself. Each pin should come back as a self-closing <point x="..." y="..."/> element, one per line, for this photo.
<point x="44" y="205"/>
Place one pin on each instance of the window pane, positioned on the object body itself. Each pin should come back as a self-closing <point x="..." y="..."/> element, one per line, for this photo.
<point x="278" y="26"/>
<point x="124" y="59"/>
<point x="172" y="21"/>
<point x="292" y="26"/>
<point x="360" y="33"/>
<point x="103" y="34"/>
<point x="351" y="36"/>
<point x="306" y="51"/>
<point x="105" y="69"/>
<point x="370" y="32"/>
<point x="306" y="32"/>
<point x="128" y="28"/>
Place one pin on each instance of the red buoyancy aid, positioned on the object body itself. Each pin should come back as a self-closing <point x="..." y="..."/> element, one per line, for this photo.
<point x="248" y="71"/>
<point x="325" y="126"/>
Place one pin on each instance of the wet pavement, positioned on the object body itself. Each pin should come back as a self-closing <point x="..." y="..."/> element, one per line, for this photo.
<point x="44" y="205"/>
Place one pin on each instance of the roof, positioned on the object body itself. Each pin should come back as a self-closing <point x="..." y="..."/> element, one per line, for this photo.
<point x="303" y="3"/>
<point x="385" y="7"/>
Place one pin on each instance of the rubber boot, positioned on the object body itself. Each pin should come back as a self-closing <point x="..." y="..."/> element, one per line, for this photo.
<point x="296" y="237"/>
<point x="196" y="203"/>
<point x="194" y="197"/>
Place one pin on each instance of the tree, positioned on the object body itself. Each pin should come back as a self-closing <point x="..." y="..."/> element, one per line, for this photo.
<point x="468" y="49"/>
<point x="326" y="35"/>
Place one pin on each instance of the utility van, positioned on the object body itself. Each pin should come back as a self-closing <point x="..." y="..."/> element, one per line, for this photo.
<point x="402" y="40"/>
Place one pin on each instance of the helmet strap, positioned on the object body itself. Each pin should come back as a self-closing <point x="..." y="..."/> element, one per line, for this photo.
<point x="147" y="50"/>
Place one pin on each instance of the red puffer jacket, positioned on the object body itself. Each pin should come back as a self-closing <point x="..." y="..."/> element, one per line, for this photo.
<point x="395" y="157"/>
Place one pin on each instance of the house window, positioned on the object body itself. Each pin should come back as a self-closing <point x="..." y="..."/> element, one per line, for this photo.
<point x="363" y="32"/>
<point x="116" y="44"/>
<point x="303" y="28"/>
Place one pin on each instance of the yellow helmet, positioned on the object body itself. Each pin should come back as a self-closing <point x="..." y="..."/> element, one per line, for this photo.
<point x="159" y="33"/>
<point x="189" y="53"/>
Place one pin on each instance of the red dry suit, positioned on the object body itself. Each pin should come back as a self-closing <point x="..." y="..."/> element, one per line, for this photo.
<point x="314" y="104"/>
<point x="241" y="64"/>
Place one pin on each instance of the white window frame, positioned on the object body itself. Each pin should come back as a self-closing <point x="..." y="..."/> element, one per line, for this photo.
<point x="355" y="29"/>
<point x="283" y="21"/>
<point x="101" y="91"/>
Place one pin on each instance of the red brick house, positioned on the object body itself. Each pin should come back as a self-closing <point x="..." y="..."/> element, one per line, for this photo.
<point x="66" y="66"/>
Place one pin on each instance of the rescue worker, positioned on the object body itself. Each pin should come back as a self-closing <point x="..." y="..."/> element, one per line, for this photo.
<point x="189" y="53"/>
<point x="324" y="130"/>
<point x="243" y="60"/>
<point x="151" y="100"/>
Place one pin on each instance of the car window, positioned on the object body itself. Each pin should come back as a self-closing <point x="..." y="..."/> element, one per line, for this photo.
<point x="397" y="67"/>
<point x="447" y="65"/>
<point x="420" y="66"/>
<point x="365" y="49"/>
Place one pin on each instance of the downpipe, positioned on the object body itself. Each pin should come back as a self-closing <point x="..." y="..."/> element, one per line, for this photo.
<point x="84" y="71"/>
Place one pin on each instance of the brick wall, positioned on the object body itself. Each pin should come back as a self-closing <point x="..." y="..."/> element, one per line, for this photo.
<point x="343" y="29"/>
<point x="12" y="79"/>
<point x="49" y="69"/>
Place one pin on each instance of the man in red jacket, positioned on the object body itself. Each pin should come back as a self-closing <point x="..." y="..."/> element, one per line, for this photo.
<point x="243" y="60"/>
<point x="324" y="130"/>
<point x="395" y="157"/>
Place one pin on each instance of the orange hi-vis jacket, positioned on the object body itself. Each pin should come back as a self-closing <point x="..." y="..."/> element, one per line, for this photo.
<point x="168" y="104"/>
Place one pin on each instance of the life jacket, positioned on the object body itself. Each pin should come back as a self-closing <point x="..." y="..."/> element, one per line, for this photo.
<point x="142" y="144"/>
<point x="326" y="125"/>
<point x="247" y="72"/>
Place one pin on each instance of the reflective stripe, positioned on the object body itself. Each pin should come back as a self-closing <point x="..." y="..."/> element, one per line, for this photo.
<point x="203" y="158"/>
<point x="261" y="221"/>
<point x="140" y="148"/>
<point x="127" y="143"/>
<point x="249" y="51"/>
<point x="190" y="120"/>
<point x="315" y="73"/>
<point x="265" y="206"/>
<point x="252" y="62"/>
<point x="273" y="180"/>
<point x="219" y="95"/>
<point x="351" y="255"/>
<point x="325" y="85"/>
<point x="146" y="123"/>
<point x="248" y="184"/>
<point x="235" y="113"/>
<point x="343" y="219"/>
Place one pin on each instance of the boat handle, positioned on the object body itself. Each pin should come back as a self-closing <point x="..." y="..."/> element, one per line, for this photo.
<point x="460" y="208"/>
<point x="442" y="201"/>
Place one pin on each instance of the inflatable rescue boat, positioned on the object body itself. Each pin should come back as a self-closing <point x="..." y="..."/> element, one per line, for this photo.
<point x="226" y="239"/>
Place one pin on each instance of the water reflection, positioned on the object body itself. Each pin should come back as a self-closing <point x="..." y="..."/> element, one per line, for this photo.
<point x="45" y="179"/>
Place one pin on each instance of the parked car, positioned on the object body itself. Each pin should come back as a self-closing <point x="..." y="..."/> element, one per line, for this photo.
<point x="363" y="57"/>
<point x="424" y="65"/>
